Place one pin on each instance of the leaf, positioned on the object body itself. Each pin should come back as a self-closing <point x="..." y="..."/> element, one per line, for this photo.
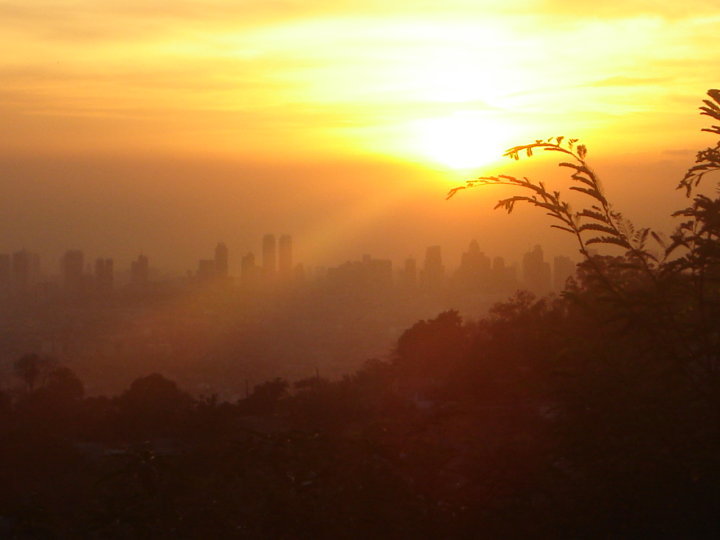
<point x="595" y="194"/>
<point x="592" y="214"/>
<point x="597" y="227"/>
<point x="453" y="191"/>
<point x="608" y="240"/>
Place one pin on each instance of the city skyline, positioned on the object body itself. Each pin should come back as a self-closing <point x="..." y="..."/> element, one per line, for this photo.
<point x="78" y="276"/>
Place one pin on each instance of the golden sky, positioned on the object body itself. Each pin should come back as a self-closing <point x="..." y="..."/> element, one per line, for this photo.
<point x="341" y="85"/>
<point x="452" y="82"/>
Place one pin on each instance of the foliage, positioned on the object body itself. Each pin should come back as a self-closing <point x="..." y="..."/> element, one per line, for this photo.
<point x="32" y="368"/>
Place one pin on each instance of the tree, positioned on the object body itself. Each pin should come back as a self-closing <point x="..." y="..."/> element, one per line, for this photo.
<point x="266" y="396"/>
<point x="30" y="369"/>
<point x="154" y="405"/>
<point x="633" y="374"/>
<point x="432" y="348"/>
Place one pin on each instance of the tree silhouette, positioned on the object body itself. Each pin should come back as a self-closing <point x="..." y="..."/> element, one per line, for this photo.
<point x="31" y="368"/>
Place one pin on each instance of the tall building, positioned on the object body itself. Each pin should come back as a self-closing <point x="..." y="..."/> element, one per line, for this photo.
<point x="563" y="268"/>
<point x="207" y="270"/>
<point x="104" y="276"/>
<point x="503" y="277"/>
<point x="536" y="272"/>
<point x="73" y="263"/>
<point x="221" y="260"/>
<point x="474" y="272"/>
<point x="248" y="269"/>
<point x="269" y="256"/>
<point x="140" y="271"/>
<point x="433" y="273"/>
<point x="408" y="274"/>
<point x="368" y="275"/>
<point x="285" y="259"/>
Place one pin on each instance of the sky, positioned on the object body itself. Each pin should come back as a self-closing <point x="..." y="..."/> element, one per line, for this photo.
<point x="165" y="126"/>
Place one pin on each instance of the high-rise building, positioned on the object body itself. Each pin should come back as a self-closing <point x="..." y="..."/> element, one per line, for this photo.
<point x="207" y="271"/>
<point x="140" y="271"/>
<point x="285" y="260"/>
<point x="536" y="272"/>
<point x="73" y="263"/>
<point x="408" y="274"/>
<point x="433" y="274"/>
<point x="503" y="277"/>
<point x="368" y="275"/>
<point x="563" y="268"/>
<point x="221" y="260"/>
<point x="474" y="272"/>
<point x="269" y="256"/>
<point x="248" y="269"/>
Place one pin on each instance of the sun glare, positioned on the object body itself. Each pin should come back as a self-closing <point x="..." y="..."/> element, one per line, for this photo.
<point x="462" y="140"/>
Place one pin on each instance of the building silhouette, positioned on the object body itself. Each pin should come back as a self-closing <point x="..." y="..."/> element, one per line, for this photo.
<point x="269" y="256"/>
<point x="563" y="268"/>
<point x="206" y="270"/>
<point x="433" y="273"/>
<point x="503" y="277"/>
<point x="536" y="272"/>
<point x="285" y="257"/>
<point x="249" y="271"/>
<point x="368" y="275"/>
<point x="408" y="274"/>
<point x="221" y="260"/>
<point x="474" y="272"/>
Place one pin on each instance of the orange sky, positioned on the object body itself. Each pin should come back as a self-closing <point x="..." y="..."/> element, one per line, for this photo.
<point x="445" y="85"/>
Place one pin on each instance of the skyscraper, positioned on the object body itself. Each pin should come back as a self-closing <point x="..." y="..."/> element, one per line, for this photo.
<point x="285" y="261"/>
<point x="408" y="274"/>
<point x="536" y="272"/>
<point x="433" y="274"/>
<point x="474" y="270"/>
<point x="269" y="251"/>
<point x="221" y="260"/>
<point x="563" y="268"/>
<point x="248" y="269"/>
<point x="104" y="275"/>
<point x="207" y="270"/>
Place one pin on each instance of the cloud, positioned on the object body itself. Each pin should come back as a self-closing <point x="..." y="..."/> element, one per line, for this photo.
<point x="629" y="81"/>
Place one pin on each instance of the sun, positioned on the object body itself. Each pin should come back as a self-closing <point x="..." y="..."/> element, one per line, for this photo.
<point x="461" y="140"/>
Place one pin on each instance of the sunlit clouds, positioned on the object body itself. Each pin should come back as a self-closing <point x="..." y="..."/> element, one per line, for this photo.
<point x="404" y="80"/>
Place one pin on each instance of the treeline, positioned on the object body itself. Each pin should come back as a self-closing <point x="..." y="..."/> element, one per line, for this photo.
<point x="595" y="414"/>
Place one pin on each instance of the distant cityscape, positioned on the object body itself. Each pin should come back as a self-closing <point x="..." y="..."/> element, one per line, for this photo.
<point x="24" y="278"/>
<point x="274" y="317"/>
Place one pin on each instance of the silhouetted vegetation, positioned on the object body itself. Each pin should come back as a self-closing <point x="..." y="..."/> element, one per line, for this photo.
<point x="595" y="414"/>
